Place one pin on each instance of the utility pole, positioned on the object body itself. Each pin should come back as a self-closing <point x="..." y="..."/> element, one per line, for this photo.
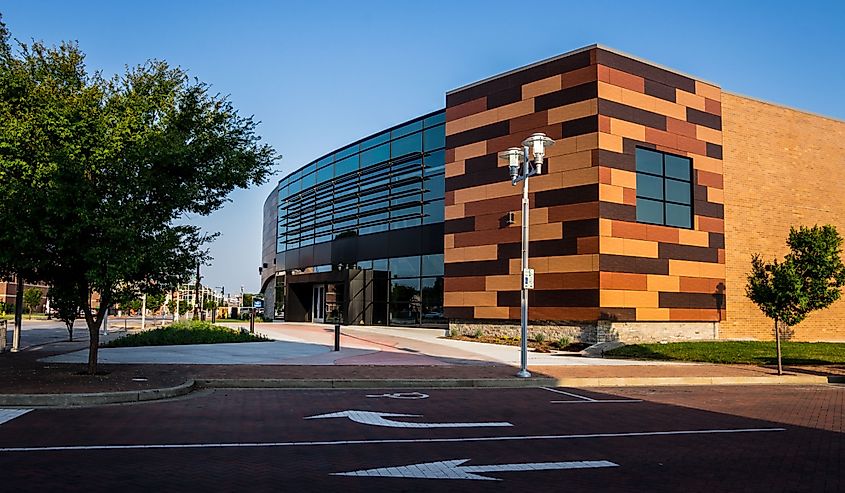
<point x="176" y="313"/>
<point x="16" y="334"/>
<point x="197" y="294"/>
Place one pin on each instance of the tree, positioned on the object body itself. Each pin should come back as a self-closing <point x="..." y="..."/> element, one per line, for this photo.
<point x="247" y="299"/>
<point x="809" y="278"/>
<point x="31" y="299"/>
<point x="67" y="308"/>
<point x="124" y="160"/>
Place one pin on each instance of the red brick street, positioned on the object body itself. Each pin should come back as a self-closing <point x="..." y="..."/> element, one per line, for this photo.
<point x="631" y="439"/>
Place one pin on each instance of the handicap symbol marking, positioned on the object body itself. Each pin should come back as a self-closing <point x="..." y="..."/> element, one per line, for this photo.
<point x="452" y="469"/>
<point x="376" y="418"/>
<point x="402" y="395"/>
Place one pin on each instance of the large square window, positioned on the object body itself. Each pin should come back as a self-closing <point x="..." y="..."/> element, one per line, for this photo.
<point x="664" y="188"/>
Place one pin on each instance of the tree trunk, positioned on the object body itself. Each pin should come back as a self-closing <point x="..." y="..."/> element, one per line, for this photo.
<point x="777" y="343"/>
<point x="93" y="346"/>
<point x="70" y="332"/>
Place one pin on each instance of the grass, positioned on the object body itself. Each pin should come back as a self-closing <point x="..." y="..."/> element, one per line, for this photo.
<point x="190" y="332"/>
<point x="737" y="352"/>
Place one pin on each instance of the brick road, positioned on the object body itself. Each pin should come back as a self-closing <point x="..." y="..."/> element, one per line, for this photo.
<point x="673" y="439"/>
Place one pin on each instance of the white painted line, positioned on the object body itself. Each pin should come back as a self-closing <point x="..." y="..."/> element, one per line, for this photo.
<point x="568" y="393"/>
<point x="602" y="401"/>
<point x="388" y="441"/>
<point x="402" y="395"/>
<point x="376" y="418"/>
<point x="10" y="414"/>
<point x="452" y="469"/>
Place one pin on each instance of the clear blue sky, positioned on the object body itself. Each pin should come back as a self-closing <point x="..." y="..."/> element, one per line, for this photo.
<point x="322" y="74"/>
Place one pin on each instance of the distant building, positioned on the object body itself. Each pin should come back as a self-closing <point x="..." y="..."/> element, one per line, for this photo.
<point x="8" y="293"/>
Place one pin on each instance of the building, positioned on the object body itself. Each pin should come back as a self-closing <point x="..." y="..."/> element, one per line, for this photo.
<point x="9" y="290"/>
<point x="658" y="190"/>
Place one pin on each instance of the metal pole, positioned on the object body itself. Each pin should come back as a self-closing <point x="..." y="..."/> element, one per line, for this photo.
<point x="523" y="371"/>
<point x="176" y="313"/>
<point x="337" y="337"/>
<point x="143" y="311"/>
<point x="16" y="332"/>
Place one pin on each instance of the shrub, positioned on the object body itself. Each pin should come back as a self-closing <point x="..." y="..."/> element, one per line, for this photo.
<point x="187" y="332"/>
<point x="539" y="337"/>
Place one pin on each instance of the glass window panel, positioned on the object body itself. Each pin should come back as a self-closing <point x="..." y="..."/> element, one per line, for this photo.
<point x="405" y="266"/>
<point x="323" y="238"/>
<point x="406" y="129"/>
<point x="678" y="167"/>
<point x="380" y="264"/>
<point x="365" y="264"/>
<point x="373" y="206"/>
<point x="373" y="228"/>
<point x="325" y="174"/>
<point x="435" y="187"/>
<point x="410" y="187"/>
<point x="346" y="233"/>
<point x="309" y="180"/>
<point x="649" y="161"/>
<point x="678" y="215"/>
<point x="435" y="119"/>
<point x="435" y="159"/>
<point x="649" y="186"/>
<point x="324" y="161"/>
<point x="346" y="165"/>
<point x="404" y="290"/>
<point x="405" y="223"/>
<point x="432" y="265"/>
<point x="435" y="138"/>
<point x="678" y="191"/>
<point x="375" y="155"/>
<point x="408" y="199"/>
<point x="649" y="211"/>
<point x="433" y="212"/>
<point x="406" y="145"/>
<point x="378" y="139"/>
<point x="432" y="299"/>
<point x="346" y="152"/>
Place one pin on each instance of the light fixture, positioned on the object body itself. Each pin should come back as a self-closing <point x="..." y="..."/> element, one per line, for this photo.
<point x="535" y="146"/>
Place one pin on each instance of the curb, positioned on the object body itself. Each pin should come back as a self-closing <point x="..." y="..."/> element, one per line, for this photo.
<point x="100" y="398"/>
<point x="366" y="383"/>
<point x="95" y="398"/>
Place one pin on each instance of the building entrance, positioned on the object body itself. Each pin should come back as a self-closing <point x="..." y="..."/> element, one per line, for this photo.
<point x="318" y="304"/>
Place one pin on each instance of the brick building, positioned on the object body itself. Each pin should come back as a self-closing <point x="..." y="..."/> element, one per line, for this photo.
<point x="659" y="188"/>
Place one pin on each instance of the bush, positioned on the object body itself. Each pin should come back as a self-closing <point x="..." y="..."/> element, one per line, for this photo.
<point x="478" y="333"/>
<point x="562" y="342"/>
<point x="187" y="332"/>
<point x="539" y="337"/>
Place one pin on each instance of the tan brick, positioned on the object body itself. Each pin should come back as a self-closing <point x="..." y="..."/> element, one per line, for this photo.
<point x="542" y="86"/>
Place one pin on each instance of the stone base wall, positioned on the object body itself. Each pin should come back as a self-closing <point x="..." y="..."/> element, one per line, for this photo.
<point x="601" y="331"/>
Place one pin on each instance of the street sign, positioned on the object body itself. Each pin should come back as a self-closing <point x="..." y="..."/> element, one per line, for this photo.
<point x="528" y="279"/>
<point x="452" y="469"/>
<point x="376" y="418"/>
<point x="257" y="303"/>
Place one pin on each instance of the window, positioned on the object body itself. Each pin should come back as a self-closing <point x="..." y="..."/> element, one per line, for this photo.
<point x="664" y="188"/>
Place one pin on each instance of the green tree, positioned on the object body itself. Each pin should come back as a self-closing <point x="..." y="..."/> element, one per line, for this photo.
<point x="809" y="278"/>
<point x="67" y="308"/>
<point x="247" y="301"/>
<point x="31" y="299"/>
<point x="120" y="164"/>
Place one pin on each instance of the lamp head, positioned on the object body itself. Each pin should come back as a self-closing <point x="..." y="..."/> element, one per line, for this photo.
<point x="538" y="143"/>
<point x="514" y="158"/>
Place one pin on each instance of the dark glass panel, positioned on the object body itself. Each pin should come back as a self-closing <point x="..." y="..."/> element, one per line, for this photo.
<point x="678" y="191"/>
<point x="435" y="119"/>
<point x="345" y="152"/>
<point x="346" y="165"/>
<point x="406" y="145"/>
<point x="325" y="174"/>
<point x="378" y="139"/>
<point x="432" y="265"/>
<point x="375" y="155"/>
<point x="405" y="223"/>
<point x="433" y="212"/>
<point x="649" y="161"/>
<point x="406" y="129"/>
<point x="649" y="186"/>
<point x="405" y="266"/>
<point x="649" y="211"/>
<point x="435" y="159"/>
<point x="435" y="187"/>
<point x="678" y="215"/>
<point x="380" y="264"/>
<point x="678" y="167"/>
<point x="435" y="138"/>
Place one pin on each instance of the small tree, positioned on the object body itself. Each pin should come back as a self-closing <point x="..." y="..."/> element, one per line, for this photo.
<point x="31" y="299"/>
<point x="67" y="308"/>
<point x="808" y="279"/>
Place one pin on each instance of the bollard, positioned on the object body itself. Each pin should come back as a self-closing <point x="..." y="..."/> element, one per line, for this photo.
<point x="252" y="321"/>
<point x="337" y="337"/>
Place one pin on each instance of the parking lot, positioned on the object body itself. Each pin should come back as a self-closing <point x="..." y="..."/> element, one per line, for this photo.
<point x="634" y="439"/>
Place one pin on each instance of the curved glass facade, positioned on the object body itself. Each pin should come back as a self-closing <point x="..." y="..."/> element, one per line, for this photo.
<point x="365" y="222"/>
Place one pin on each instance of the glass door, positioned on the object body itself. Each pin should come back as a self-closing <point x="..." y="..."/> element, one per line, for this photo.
<point x="318" y="308"/>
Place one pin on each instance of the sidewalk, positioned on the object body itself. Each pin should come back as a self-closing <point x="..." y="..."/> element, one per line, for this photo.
<point x="303" y="351"/>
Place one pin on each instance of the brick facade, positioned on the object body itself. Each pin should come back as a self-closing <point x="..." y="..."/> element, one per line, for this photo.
<point x="782" y="169"/>
<point x="592" y="260"/>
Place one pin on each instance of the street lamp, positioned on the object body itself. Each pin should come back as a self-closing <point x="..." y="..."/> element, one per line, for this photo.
<point x="515" y="157"/>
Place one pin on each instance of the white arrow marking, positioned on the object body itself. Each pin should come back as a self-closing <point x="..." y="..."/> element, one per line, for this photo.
<point x="10" y="414"/>
<point x="452" y="469"/>
<point x="377" y="418"/>
<point x="402" y="395"/>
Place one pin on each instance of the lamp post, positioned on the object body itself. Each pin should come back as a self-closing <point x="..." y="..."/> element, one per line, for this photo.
<point x="534" y="145"/>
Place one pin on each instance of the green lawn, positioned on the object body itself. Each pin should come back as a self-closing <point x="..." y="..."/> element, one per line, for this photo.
<point x="742" y="352"/>
<point x="185" y="333"/>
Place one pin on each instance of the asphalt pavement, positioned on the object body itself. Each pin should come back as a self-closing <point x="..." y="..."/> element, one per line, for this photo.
<point x="542" y="439"/>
